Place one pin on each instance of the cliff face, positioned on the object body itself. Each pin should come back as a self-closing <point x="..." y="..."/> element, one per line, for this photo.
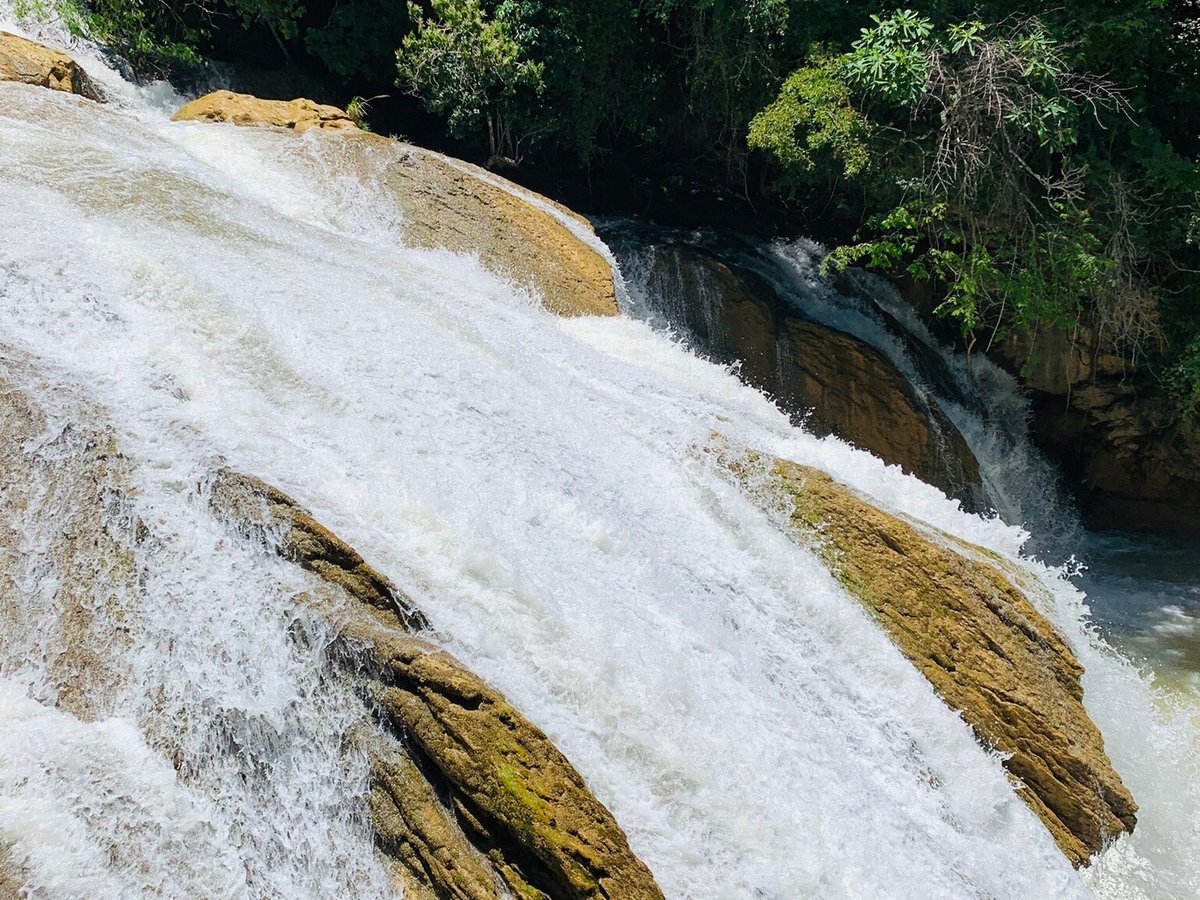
<point x="1134" y="462"/>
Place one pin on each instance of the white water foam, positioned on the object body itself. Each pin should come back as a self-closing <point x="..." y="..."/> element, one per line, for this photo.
<point x="538" y="485"/>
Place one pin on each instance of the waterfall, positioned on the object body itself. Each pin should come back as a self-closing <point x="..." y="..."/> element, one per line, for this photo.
<point x="982" y="401"/>
<point x="214" y="294"/>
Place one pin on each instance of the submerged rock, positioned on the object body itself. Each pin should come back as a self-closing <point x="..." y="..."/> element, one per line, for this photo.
<point x="297" y="115"/>
<point x="10" y="880"/>
<point x="66" y="475"/>
<point x="498" y="803"/>
<point x="984" y="647"/>
<point x="447" y="203"/>
<point x="29" y="62"/>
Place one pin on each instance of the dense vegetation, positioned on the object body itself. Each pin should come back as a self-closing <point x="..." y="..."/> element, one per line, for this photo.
<point x="1036" y="165"/>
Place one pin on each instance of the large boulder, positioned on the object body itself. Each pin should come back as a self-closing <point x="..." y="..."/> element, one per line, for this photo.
<point x="244" y="109"/>
<point x="29" y="62"/>
<point x="957" y="613"/>
<point x="838" y="383"/>
<point x="450" y="204"/>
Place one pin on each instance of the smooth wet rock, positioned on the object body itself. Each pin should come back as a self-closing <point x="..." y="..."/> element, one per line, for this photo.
<point x="10" y="879"/>
<point x="951" y="609"/>
<point x="29" y="62"/>
<point x="449" y="204"/>
<point x="297" y="115"/>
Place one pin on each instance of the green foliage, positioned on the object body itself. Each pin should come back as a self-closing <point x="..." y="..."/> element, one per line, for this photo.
<point x="1183" y="379"/>
<point x="150" y="34"/>
<point x="469" y="67"/>
<point x="811" y="117"/>
<point x="967" y="141"/>
<point x="359" y="38"/>
<point x="1038" y="161"/>
<point x="891" y="60"/>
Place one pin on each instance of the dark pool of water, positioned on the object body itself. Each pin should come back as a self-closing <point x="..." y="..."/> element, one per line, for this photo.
<point x="1144" y="592"/>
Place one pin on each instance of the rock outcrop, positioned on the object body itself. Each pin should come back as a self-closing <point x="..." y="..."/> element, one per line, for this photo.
<point x="475" y="795"/>
<point x="988" y="652"/>
<point x="1134" y="461"/>
<point x="33" y="63"/>
<point x="451" y="204"/>
<point x="297" y="115"/>
<point x="841" y="385"/>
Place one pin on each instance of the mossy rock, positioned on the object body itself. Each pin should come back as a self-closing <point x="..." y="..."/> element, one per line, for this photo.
<point x="983" y="646"/>
<point x="467" y="794"/>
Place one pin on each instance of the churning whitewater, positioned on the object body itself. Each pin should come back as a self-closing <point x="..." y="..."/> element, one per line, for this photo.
<point x="241" y="296"/>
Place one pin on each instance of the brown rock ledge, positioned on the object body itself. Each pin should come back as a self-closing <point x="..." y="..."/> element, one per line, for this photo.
<point x="981" y="643"/>
<point x="496" y="802"/>
<point x="29" y="62"/>
<point x="451" y="204"/>
<point x="297" y="115"/>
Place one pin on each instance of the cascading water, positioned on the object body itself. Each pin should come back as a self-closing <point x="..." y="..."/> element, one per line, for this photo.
<point x="983" y="402"/>
<point x="538" y="485"/>
<point x="1146" y="590"/>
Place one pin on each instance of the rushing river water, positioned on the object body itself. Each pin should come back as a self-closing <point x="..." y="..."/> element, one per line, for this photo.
<point x="1143" y="590"/>
<point x="540" y="486"/>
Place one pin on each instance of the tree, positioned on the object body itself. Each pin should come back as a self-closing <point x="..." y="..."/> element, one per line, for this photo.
<point x="968" y="137"/>
<point x="470" y="68"/>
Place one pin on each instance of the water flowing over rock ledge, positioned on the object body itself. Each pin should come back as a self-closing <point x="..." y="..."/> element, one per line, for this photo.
<point x="986" y="650"/>
<point x="836" y="382"/>
<point x="468" y="798"/>
<point x="453" y="205"/>
<point x="455" y="758"/>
